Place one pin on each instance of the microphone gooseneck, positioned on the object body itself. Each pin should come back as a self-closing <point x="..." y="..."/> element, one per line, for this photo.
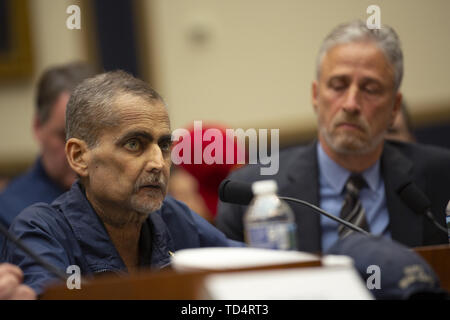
<point x="59" y="273"/>
<point x="329" y="215"/>
<point x="418" y="202"/>
<point x="241" y="193"/>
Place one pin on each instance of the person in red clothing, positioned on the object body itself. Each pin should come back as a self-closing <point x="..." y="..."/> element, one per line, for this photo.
<point x="197" y="184"/>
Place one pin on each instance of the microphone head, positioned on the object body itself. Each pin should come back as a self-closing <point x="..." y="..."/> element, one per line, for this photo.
<point x="235" y="192"/>
<point x="414" y="198"/>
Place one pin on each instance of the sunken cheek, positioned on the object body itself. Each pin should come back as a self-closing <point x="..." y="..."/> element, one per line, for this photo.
<point x="121" y="169"/>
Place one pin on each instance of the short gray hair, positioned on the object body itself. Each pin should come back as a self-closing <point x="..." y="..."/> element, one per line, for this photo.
<point x="356" y="31"/>
<point x="90" y="107"/>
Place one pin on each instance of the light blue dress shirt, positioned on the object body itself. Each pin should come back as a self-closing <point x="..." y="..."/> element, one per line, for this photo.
<point x="332" y="179"/>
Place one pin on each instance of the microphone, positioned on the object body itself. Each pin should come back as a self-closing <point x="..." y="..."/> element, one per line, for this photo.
<point x="60" y="274"/>
<point x="235" y="192"/>
<point x="241" y="193"/>
<point x="418" y="202"/>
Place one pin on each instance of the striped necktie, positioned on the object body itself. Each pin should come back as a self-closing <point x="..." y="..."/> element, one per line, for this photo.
<point x="352" y="210"/>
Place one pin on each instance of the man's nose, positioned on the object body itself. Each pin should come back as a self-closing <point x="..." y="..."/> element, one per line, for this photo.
<point x="351" y="102"/>
<point x="155" y="159"/>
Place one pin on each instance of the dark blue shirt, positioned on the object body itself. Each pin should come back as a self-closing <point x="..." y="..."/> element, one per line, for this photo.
<point x="31" y="187"/>
<point x="69" y="232"/>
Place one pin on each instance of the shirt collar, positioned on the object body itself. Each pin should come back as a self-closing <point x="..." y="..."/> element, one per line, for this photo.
<point x="98" y="249"/>
<point x="336" y="176"/>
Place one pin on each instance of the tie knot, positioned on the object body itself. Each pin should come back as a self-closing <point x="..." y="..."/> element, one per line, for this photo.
<point x="355" y="183"/>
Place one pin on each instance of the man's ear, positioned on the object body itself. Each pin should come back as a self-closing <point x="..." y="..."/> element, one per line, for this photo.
<point x="37" y="128"/>
<point x="314" y="94"/>
<point x="397" y="106"/>
<point x="77" y="153"/>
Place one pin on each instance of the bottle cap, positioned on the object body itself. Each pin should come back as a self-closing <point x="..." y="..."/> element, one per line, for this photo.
<point x="264" y="186"/>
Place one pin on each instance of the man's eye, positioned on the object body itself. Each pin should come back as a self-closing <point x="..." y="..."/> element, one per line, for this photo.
<point x="371" y="88"/>
<point x="337" y="85"/>
<point x="165" y="146"/>
<point x="133" y="145"/>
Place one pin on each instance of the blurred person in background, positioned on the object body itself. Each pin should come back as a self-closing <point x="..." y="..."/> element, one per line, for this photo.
<point x="401" y="129"/>
<point x="50" y="174"/>
<point x="3" y="183"/>
<point x="197" y="184"/>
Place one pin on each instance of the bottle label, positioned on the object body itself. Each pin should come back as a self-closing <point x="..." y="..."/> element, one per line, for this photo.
<point x="279" y="236"/>
<point x="448" y="225"/>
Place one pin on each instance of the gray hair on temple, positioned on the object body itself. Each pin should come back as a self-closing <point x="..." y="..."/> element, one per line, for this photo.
<point x="356" y="31"/>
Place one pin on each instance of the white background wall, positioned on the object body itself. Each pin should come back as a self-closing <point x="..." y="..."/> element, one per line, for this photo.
<point x="257" y="64"/>
<point x="254" y="68"/>
<point x="52" y="44"/>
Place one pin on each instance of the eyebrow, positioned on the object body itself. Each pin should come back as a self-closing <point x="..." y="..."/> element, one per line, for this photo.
<point x="371" y="80"/>
<point x="134" y="134"/>
<point x="141" y="134"/>
<point x="164" y="138"/>
<point x="346" y="78"/>
<point x="338" y="77"/>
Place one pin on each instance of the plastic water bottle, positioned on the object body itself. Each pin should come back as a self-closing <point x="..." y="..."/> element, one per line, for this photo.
<point x="269" y="222"/>
<point x="447" y="219"/>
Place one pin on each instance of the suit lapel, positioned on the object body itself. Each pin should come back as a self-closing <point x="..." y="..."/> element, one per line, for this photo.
<point x="303" y="183"/>
<point x="405" y="225"/>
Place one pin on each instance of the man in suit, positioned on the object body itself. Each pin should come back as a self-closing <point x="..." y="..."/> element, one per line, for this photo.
<point x="356" y="98"/>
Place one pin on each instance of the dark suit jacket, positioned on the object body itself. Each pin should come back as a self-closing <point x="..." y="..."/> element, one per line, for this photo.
<point x="298" y="177"/>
